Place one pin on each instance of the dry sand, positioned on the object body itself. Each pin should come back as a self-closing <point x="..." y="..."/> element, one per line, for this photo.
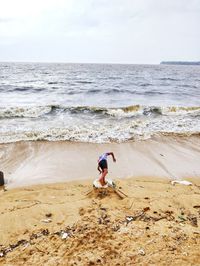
<point x="157" y="224"/>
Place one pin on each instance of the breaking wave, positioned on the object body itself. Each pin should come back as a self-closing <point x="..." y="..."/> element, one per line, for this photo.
<point x="127" y="111"/>
<point x="29" y="111"/>
<point x="90" y="135"/>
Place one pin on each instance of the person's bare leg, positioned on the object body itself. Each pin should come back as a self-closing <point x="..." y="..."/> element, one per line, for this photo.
<point x="102" y="178"/>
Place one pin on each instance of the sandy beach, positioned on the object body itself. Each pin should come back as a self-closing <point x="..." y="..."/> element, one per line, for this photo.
<point x="99" y="133"/>
<point x="71" y="223"/>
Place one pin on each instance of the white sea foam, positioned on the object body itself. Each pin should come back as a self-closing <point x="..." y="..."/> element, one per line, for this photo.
<point x="103" y="131"/>
<point x="24" y="111"/>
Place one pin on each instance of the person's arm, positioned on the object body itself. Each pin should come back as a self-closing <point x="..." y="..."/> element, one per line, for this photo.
<point x="113" y="156"/>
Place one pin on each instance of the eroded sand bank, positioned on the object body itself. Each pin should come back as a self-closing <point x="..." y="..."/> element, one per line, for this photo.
<point x="27" y="163"/>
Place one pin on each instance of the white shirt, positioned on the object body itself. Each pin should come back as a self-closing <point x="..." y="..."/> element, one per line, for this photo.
<point x="103" y="157"/>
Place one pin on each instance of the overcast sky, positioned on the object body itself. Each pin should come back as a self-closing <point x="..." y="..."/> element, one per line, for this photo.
<point x="112" y="31"/>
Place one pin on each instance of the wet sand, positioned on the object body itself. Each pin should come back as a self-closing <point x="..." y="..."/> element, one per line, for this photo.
<point x="168" y="157"/>
<point x="72" y="224"/>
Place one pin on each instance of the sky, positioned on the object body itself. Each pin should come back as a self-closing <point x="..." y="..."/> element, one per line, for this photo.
<point x="100" y="31"/>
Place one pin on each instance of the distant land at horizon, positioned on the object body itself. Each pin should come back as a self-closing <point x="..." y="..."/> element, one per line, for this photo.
<point x="195" y="63"/>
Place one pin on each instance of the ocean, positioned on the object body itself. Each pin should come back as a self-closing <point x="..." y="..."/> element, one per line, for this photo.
<point x="99" y="103"/>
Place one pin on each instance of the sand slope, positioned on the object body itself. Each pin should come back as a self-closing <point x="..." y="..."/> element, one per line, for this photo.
<point x="157" y="224"/>
<point x="27" y="163"/>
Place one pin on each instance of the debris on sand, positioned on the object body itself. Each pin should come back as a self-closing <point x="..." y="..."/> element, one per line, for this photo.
<point x="11" y="247"/>
<point x="141" y="252"/>
<point x="129" y="219"/>
<point x="65" y="235"/>
<point x="146" y="209"/>
<point x="181" y="182"/>
<point x="193" y="220"/>
<point x="46" y="220"/>
<point x="48" y="215"/>
<point x="183" y="219"/>
<point x="196" y="206"/>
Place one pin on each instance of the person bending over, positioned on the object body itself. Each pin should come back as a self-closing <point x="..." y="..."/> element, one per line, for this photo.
<point x="103" y="166"/>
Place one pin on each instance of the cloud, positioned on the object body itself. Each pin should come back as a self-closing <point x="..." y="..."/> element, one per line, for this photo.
<point x="97" y="30"/>
<point x="6" y="20"/>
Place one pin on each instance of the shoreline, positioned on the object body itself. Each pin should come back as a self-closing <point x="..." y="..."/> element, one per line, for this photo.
<point x="167" y="157"/>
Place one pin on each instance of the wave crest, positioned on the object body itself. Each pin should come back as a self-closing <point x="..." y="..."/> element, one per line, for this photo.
<point x="120" y="112"/>
<point x="31" y="112"/>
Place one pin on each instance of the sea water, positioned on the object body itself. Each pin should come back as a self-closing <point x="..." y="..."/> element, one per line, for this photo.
<point x="97" y="102"/>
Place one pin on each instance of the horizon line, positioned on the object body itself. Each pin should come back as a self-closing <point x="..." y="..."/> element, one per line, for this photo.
<point x="65" y="62"/>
